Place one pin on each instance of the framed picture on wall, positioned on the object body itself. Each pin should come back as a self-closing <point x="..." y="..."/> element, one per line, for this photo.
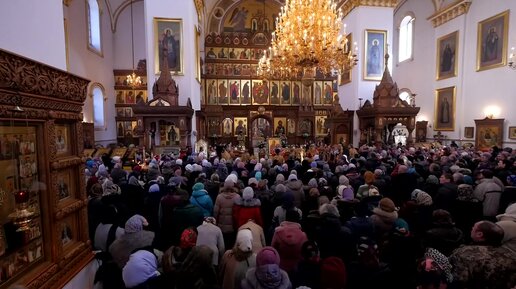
<point x="345" y="76"/>
<point x="168" y="44"/>
<point x="240" y="126"/>
<point x="445" y="109"/>
<point x="447" y="55"/>
<point x="512" y="132"/>
<point x="374" y="50"/>
<point x="492" y="41"/>
<point x="469" y="132"/>
<point x="489" y="133"/>
<point x="63" y="144"/>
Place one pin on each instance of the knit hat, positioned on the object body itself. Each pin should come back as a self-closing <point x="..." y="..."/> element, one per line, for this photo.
<point x="441" y="261"/>
<point x="333" y="273"/>
<point x="252" y="181"/>
<point x="248" y="193"/>
<point x="198" y="187"/>
<point x="292" y="177"/>
<point x="312" y="183"/>
<point x="188" y="239"/>
<point x="228" y="184"/>
<point x="135" y="224"/>
<point x="280" y="178"/>
<point x="401" y="227"/>
<point x="313" y="164"/>
<point x="258" y="176"/>
<point x="179" y="162"/>
<point x="244" y="240"/>
<point x="431" y="179"/>
<point x="141" y="266"/>
<point x="512" y="179"/>
<point x="266" y="256"/>
<point x="233" y="178"/>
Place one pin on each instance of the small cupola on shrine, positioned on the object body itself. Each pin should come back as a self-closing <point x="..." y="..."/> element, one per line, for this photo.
<point x="377" y="119"/>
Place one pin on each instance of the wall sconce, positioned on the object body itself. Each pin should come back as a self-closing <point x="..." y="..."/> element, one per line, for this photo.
<point x="511" y="59"/>
<point x="492" y="111"/>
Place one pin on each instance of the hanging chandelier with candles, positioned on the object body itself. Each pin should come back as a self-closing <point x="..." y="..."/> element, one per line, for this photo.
<point x="308" y="39"/>
<point x="132" y="79"/>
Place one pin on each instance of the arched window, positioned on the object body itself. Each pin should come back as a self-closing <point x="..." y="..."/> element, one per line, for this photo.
<point x="99" y="115"/>
<point x="406" y="38"/>
<point x="94" y="38"/>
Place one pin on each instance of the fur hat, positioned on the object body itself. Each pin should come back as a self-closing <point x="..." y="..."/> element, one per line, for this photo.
<point x="267" y="256"/>
<point x="244" y="240"/>
<point x="442" y="217"/>
<point x="330" y="209"/>
<point x="509" y="215"/>
<point x="248" y="193"/>
<point x="387" y="205"/>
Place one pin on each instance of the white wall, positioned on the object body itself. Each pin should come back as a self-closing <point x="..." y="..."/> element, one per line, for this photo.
<point x="189" y="87"/>
<point x="475" y="90"/>
<point x="360" y="19"/>
<point x="91" y="65"/>
<point x="26" y="31"/>
<point x="418" y="74"/>
<point x="122" y="37"/>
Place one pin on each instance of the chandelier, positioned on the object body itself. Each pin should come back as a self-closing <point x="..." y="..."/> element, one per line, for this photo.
<point x="132" y="79"/>
<point x="308" y="39"/>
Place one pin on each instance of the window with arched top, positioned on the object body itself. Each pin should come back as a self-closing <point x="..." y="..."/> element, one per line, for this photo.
<point x="99" y="112"/>
<point x="93" y="18"/>
<point x="406" y="38"/>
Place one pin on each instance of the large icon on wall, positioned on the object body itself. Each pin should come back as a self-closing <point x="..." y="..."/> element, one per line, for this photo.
<point x="492" y="41"/>
<point x="447" y="55"/>
<point x="168" y="39"/>
<point x="445" y="109"/>
<point x="375" y="48"/>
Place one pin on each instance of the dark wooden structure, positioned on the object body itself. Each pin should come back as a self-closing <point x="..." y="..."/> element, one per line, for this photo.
<point x="161" y="124"/>
<point x="43" y="217"/>
<point x="387" y="110"/>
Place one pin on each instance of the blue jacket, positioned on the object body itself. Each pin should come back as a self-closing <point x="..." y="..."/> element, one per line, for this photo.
<point x="202" y="200"/>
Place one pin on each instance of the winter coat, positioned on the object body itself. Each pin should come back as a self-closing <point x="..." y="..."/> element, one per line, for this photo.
<point x="233" y="271"/>
<point x="181" y="218"/>
<point x="258" y="235"/>
<point x="444" y="239"/>
<point x="210" y="235"/>
<point x="332" y="238"/>
<point x="223" y="210"/>
<point x="201" y="199"/>
<point x="287" y="240"/>
<point x="296" y="187"/>
<point x="243" y="210"/>
<point x="490" y="201"/>
<point x="122" y="248"/>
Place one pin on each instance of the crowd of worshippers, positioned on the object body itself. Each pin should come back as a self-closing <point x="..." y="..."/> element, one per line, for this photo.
<point x="370" y="218"/>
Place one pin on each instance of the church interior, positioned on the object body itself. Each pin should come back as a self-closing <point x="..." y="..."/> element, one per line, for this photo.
<point x="132" y="79"/>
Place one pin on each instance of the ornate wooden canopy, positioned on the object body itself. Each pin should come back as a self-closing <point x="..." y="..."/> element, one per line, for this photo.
<point x="386" y="111"/>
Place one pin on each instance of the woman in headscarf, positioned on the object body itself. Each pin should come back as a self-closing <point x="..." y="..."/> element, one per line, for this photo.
<point x="237" y="261"/>
<point x="135" y="237"/>
<point x="267" y="274"/>
<point x="210" y="235"/>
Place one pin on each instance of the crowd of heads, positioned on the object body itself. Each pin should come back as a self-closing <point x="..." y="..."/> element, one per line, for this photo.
<point x="328" y="217"/>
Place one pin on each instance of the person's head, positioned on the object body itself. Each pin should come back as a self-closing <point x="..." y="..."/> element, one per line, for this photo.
<point x="434" y="271"/>
<point x="487" y="232"/>
<point x="446" y="178"/>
